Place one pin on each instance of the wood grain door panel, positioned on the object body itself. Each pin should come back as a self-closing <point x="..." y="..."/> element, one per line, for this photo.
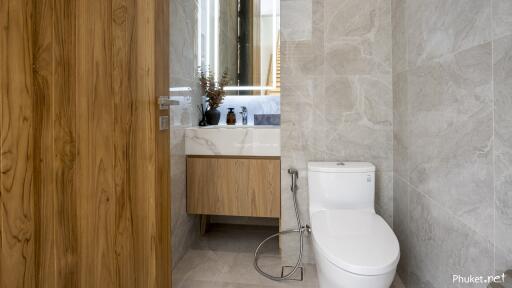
<point x="84" y="196"/>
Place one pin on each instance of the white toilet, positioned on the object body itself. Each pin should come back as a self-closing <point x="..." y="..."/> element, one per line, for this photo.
<point x="354" y="247"/>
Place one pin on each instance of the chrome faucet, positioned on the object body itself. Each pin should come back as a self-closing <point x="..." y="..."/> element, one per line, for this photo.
<point x="244" y="114"/>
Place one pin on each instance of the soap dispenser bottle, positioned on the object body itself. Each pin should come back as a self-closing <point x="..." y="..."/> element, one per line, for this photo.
<point x="244" y="114"/>
<point x="231" y="117"/>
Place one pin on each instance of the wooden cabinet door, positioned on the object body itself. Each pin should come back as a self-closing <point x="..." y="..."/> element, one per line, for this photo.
<point x="264" y="188"/>
<point x="234" y="186"/>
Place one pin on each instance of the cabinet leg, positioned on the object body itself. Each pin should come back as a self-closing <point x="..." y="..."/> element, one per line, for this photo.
<point x="203" y="224"/>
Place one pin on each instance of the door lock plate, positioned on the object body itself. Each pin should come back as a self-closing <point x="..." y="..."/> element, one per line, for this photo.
<point x="164" y="123"/>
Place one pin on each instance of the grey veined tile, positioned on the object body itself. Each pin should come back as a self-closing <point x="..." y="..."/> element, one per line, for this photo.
<point x="503" y="134"/>
<point x="502" y="17"/>
<point x="384" y="196"/>
<point x="367" y="99"/>
<point x="364" y="18"/>
<point x="400" y="126"/>
<point x="302" y="59"/>
<point x="401" y="224"/>
<point x="357" y="37"/>
<point x="297" y="22"/>
<point x="357" y="57"/>
<point x="399" y="35"/>
<point x="503" y="260"/>
<point x="440" y="27"/>
<point x="358" y="110"/>
<point x="443" y="246"/>
<point x="451" y="137"/>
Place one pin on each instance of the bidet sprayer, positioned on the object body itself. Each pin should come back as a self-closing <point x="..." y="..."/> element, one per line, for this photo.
<point x="295" y="175"/>
<point x="293" y="171"/>
<point x="301" y="229"/>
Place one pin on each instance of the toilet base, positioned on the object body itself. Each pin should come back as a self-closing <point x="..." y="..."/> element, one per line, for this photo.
<point x="331" y="276"/>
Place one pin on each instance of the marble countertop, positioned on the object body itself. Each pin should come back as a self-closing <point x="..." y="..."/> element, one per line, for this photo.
<point x="238" y="140"/>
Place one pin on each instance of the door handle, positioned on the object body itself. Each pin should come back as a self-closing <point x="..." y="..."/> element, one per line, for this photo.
<point x="165" y="102"/>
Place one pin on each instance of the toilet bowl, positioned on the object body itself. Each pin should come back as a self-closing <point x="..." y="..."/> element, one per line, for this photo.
<point x="354" y="247"/>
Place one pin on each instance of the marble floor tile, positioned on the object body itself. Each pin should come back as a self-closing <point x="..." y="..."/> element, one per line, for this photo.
<point x="224" y="258"/>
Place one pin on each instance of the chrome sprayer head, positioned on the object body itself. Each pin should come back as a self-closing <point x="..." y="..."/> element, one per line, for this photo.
<point x="293" y="171"/>
<point x="295" y="175"/>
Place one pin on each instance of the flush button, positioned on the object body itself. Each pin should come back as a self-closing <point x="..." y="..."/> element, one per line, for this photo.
<point x="340" y="164"/>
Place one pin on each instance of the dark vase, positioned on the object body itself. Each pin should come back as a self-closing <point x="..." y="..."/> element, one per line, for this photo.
<point x="212" y="116"/>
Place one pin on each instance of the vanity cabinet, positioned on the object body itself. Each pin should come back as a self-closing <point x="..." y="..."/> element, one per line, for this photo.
<point x="234" y="186"/>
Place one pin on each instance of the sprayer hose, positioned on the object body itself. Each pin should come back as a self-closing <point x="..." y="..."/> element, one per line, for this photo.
<point x="300" y="229"/>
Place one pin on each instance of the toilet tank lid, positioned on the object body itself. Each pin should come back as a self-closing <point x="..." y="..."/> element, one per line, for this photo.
<point x="341" y="167"/>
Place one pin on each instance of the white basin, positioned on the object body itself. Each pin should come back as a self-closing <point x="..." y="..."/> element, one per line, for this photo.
<point x="233" y="140"/>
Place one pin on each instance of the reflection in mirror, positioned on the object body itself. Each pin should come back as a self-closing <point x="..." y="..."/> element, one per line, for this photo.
<point x="241" y="38"/>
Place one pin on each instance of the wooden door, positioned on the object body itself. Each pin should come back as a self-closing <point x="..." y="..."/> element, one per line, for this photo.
<point x="84" y="196"/>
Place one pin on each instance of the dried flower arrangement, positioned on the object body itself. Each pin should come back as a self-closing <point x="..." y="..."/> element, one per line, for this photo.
<point x="213" y="90"/>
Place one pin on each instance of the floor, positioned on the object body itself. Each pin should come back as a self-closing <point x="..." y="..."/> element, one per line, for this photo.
<point x="224" y="258"/>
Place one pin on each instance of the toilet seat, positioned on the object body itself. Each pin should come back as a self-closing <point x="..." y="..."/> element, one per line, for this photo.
<point x="357" y="241"/>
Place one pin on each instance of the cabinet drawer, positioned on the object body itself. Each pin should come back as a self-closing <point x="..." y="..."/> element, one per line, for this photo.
<point x="234" y="186"/>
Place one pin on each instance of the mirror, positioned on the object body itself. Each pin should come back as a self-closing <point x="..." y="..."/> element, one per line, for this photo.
<point x="241" y="38"/>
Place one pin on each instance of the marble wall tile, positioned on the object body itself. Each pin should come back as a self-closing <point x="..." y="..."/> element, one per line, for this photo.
<point x="503" y="260"/>
<point x="301" y="20"/>
<point x="353" y="19"/>
<point x="183" y="74"/>
<point x="443" y="246"/>
<point x="183" y="34"/>
<point x="502" y="17"/>
<point x="400" y="173"/>
<point x="301" y="141"/>
<point x="302" y="57"/>
<point x="296" y="20"/>
<point x="290" y="243"/>
<point x="335" y="106"/>
<point x="358" y="37"/>
<point x="376" y="90"/>
<point x="353" y="142"/>
<point x="440" y="27"/>
<point x="384" y="202"/>
<point x="451" y="119"/>
<point x="400" y="224"/>
<point x="401" y="126"/>
<point x="340" y="99"/>
<point x="399" y="32"/>
<point x="183" y="232"/>
<point x="302" y="132"/>
<point x="503" y="154"/>
<point x="451" y="147"/>
<point x="359" y="111"/>
<point x="349" y="58"/>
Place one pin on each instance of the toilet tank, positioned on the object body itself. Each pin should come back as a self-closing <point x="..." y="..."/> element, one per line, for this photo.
<point x="341" y="185"/>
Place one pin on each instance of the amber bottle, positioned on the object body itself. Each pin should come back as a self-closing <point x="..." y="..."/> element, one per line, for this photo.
<point x="231" y="117"/>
